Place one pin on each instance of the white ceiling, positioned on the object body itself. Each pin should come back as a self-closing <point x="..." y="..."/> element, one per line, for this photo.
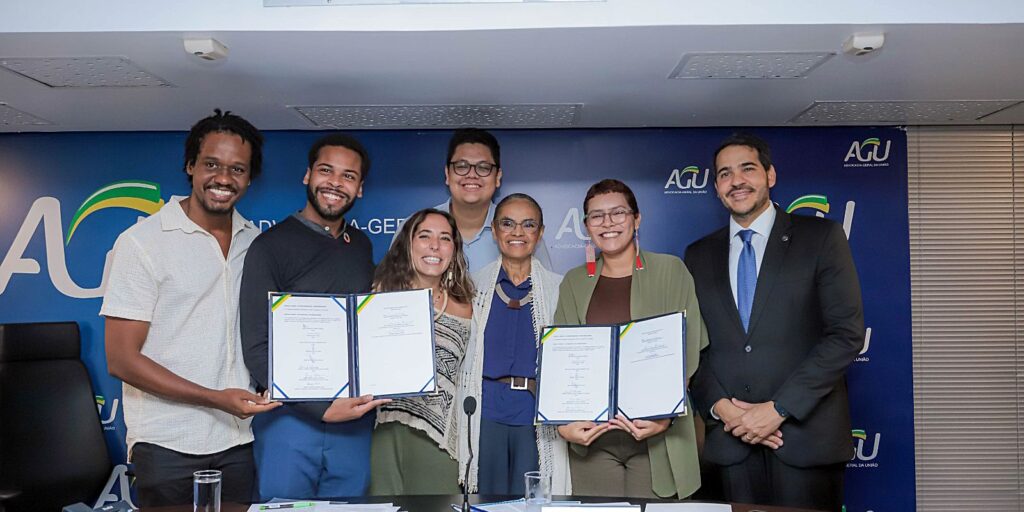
<point x="611" y="58"/>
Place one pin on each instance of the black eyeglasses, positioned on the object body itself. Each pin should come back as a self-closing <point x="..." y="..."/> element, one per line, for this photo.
<point x="507" y="225"/>
<point x="482" y="169"/>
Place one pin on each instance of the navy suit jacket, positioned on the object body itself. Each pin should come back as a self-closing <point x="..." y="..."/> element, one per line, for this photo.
<point x="806" y="327"/>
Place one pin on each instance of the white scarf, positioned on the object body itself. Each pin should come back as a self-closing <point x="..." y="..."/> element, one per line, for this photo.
<point x="552" y="450"/>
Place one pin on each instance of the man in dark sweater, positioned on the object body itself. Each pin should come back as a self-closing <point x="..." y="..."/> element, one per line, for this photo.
<point x="311" y="449"/>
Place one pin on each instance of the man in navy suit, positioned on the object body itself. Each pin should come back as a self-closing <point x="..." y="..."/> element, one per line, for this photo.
<point x="781" y="301"/>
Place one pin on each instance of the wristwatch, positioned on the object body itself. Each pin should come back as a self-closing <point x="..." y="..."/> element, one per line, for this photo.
<point x="781" y="410"/>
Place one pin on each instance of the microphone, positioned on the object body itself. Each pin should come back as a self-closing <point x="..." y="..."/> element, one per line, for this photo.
<point x="468" y="407"/>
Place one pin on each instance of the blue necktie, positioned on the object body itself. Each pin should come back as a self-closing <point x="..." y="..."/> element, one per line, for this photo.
<point x="746" y="278"/>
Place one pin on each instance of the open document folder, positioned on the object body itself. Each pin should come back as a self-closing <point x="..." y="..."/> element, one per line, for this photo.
<point x="324" y="347"/>
<point x="593" y="372"/>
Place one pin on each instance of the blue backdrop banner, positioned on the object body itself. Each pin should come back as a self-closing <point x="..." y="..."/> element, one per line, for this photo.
<point x="61" y="215"/>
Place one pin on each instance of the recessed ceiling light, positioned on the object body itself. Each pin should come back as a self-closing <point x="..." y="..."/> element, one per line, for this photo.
<point x="748" y="65"/>
<point x="10" y="116"/>
<point x="442" y="116"/>
<point x="900" y="112"/>
<point x="83" y="72"/>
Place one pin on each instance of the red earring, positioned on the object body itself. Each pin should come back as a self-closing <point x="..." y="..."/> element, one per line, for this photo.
<point x="591" y="260"/>
<point x="636" y="245"/>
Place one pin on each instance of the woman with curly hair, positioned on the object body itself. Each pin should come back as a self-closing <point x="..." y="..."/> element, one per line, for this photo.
<point x="415" y="444"/>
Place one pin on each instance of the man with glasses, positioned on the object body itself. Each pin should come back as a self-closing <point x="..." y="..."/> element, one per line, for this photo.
<point x="473" y="175"/>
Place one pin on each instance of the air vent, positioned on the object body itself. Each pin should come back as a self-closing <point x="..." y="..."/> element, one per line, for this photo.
<point x="757" y="65"/>
<point x="900" y="112"/>
<point x="442" y="116"/>
<point x="83" y="72"/>
<point x="10" y="116"/>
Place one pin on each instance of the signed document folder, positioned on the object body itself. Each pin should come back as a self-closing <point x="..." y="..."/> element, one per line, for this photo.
<point x="593" y="372"/>
<point x="324" y="347"/>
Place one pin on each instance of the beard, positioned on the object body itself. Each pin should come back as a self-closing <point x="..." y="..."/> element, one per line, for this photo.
<point x="216" y="207"/>
<point x="758" y="205"/>
<point x="325" y="212"/>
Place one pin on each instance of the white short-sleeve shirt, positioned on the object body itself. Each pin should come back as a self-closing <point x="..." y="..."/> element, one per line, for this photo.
<point x="168" y="271"/>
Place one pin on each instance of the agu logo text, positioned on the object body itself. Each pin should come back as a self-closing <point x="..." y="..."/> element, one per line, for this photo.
<point x="868" y="153"/>
<point x="865" y="449"/>
<point x="690" y="180"/>
<point x="101" y="404"/>
<point x="45" y="214"/>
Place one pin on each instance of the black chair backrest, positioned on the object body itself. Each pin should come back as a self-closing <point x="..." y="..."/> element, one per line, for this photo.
<point x="52" y="450"/>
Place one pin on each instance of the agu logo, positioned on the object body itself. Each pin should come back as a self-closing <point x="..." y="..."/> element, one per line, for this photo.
<point x="141" y="196"/>
<point x="862" y="357"/>
<point x="572" y="224"/>
<point x="821" y="206"/>
<point x="862" y="459"/>
<point x="118" y="487"/>
<point x="108" y="422"/>
<point x="867" y="153"/>
<point x="812" y="201"/>
<point x="688" y="181"/>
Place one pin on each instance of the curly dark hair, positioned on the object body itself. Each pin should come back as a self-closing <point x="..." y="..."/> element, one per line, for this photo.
<point x="224" y="122"/>
<point x="395" y="271"/>
<point x="346" y="141"/>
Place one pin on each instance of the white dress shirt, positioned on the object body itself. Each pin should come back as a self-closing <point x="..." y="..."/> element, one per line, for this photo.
<point x="762" y="227"/>
<point x="171" y="273"/>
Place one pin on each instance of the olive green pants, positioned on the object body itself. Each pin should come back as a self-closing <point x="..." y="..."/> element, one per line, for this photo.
<point x="404" y="461"/>
<point x="613" y="465"/>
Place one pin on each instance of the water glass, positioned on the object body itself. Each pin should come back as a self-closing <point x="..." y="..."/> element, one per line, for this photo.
<point x="538" y="490"/>
<point x="206" y="491"/>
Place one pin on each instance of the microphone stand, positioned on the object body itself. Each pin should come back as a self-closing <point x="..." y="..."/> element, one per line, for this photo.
<point x="469" y="407"/>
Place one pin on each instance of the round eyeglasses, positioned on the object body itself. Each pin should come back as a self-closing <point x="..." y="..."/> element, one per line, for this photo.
<point x="617" y="216"/>
<point x="482" y="169"/>
<point x="506" y="225"/>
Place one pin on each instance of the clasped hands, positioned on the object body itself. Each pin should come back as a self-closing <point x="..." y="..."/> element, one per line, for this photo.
<point x="751" y="423"/>
<point x="586" y="432"/>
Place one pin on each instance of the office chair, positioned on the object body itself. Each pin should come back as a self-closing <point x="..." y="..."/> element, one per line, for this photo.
<point x="52" y="450"/>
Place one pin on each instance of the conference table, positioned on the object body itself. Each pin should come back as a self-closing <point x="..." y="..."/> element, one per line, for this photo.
<point x="442" y="503"/>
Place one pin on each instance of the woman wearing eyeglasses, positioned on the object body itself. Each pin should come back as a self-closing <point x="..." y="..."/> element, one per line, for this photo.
<point x="414" y="447"/>
<point x="623" y="457"/>
<point x="517" y="296"/>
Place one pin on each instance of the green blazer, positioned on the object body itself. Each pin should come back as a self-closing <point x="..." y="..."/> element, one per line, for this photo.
<point x="663" y="286"/>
